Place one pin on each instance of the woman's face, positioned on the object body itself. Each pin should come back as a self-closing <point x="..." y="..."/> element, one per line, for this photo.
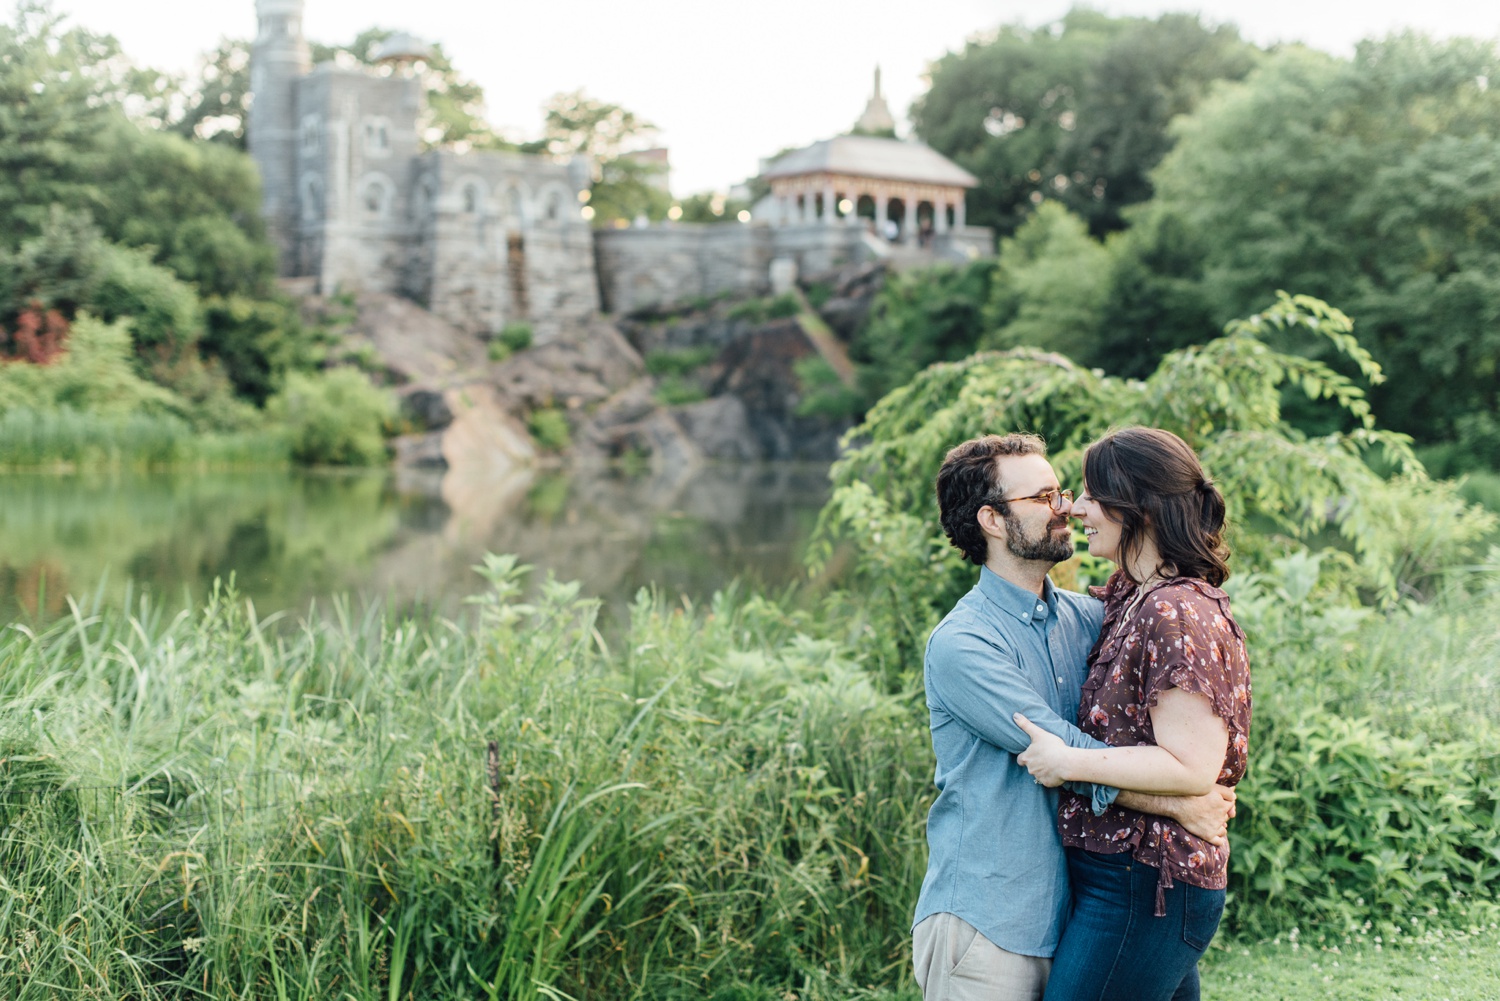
<point x="1101" y="530"/>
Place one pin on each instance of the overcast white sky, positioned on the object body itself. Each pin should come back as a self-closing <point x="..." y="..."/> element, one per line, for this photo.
<point x="727" y="83"/>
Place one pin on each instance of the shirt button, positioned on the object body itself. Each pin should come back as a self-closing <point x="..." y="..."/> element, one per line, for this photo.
<point x="1040" y="609"/>
<point x="1059" y="679"/>
<point x="1026" y="616"/>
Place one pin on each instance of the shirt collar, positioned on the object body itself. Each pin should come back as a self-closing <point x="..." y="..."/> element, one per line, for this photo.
<point x="1019" y="602"/>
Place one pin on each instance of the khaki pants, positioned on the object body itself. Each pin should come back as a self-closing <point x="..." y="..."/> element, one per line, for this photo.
<point x="953" y="962"/>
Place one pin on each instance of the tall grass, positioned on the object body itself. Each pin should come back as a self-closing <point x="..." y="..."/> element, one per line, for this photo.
<point x="69" y="439"/>
<point x="717" y="803"/>
<point x="208" y="804"/>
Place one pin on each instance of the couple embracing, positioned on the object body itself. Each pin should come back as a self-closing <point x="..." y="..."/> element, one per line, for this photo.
<point x="1086" y="746"/>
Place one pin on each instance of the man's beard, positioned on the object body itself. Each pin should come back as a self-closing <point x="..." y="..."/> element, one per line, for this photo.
<point x="1043" y="548"/>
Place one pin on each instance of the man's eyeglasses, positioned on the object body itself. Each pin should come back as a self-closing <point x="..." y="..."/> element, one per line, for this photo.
<point x="1058" y="500"/>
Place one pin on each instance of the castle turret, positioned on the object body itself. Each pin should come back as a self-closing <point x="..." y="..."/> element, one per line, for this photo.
<point x="877" y="119"/>
<point x="279" y="57"/>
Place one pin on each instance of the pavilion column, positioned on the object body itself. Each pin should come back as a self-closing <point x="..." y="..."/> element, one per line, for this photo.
<point x="809" y="206"/>
<point x="881" y="205"/>
<point x="940" y="215"/>
<point x="830" y="207"/>
<point x="909" y="224"/>
<point x="958" y="213"/>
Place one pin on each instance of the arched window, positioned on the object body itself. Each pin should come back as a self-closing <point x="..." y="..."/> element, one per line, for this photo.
<point x="376" y="193"/>
<point x="513" y="204"/>
<point x="377" y="137"/>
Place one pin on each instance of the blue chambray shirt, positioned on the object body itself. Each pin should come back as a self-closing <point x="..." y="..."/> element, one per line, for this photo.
<point x="994" y="855"/>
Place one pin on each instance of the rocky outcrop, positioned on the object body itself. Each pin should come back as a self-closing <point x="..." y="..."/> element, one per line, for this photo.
<point x="719" y="427"/>
<point x="752" y="361"/>
<point x="577" y="372"/>
<point x="853" y="291"/>
<point x="469" y="413"/>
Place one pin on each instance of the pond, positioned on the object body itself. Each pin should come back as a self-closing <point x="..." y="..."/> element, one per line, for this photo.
<point x="289" y="539"/>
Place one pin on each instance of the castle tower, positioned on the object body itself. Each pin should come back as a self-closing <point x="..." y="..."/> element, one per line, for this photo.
<point x="279" y="57"/>
<point x="877" y="119"/>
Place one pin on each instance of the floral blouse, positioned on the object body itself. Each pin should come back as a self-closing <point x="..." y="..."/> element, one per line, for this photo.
<point x="1178" y="634"/>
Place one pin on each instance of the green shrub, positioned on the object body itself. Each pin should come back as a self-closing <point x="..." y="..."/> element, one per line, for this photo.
<point x="823" y="392"/>
<point x="96" y="375"/>
<point x="675" y="390"/>
<point x="549" y="426"/>
<point x="1482" y="488"/>
<point x="163" y="310"/>
<point x="1284" y="490"/>
<point x="783" y="306"/>
<point x="751" y="311"/>
<point x="761" y="310"/>
<point x="1374" y="778"/>
<point x="516" y="336"/>
<point x="512" y="337"/>
<point x="365" y="357"/>
<point x="919" y="317"/>
<point x="679" y="361"/>
<point x="818" y="294"/>
<point x="333" y="418"/>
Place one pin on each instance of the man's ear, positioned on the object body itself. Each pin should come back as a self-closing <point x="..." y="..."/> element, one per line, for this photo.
<point x="991" y="522"/>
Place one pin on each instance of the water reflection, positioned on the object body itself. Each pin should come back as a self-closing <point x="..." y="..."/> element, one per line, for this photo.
<point x="291" y="538"/>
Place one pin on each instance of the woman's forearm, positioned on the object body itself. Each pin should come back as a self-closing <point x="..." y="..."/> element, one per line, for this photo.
<point x="1145" y="769"/>
<point x="1185" y="761"/>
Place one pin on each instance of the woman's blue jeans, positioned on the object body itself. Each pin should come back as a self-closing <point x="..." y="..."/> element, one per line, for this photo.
<point x="1115" y="949"/>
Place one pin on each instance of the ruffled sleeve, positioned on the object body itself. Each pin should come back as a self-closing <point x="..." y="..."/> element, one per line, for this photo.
<point x="1193" y="644"/>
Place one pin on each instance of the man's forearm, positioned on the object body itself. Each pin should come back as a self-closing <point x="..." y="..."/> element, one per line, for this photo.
<point x="1206" y="816"/>
<point x="1150" y="802"/>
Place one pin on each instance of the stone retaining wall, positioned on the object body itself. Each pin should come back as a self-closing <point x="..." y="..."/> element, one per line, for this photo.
<point x="653" y="266"/>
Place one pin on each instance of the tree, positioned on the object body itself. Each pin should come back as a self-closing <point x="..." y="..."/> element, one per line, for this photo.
<point x="1076" y="111"/>
<point x="1223" y="397"/>
<point x="1373" y="182"/>
<point x="132" y="224"/>
<point x="455" y="112"/>
<point x="605" y="134"/>
<point x="711" y="206"/>
<point x="50" y="85"/>
<point x="920" y="317"/>
<point x="195" y="204"/>
<point x="216" y="101"/>
<point x="334" y="418"/>
<point x="1050" y="285"/>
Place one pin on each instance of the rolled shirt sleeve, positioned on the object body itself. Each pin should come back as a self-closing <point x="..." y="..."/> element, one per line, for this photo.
<point x="979" y="681"/>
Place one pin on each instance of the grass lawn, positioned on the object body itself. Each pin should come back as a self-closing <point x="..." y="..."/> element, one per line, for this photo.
<point x="1439" y="966"/>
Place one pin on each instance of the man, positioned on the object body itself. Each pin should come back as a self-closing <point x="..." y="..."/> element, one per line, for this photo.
<point x="996" y="893"/>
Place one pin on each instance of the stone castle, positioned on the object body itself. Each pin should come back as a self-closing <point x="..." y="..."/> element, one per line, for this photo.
<point x="483" y="238"/>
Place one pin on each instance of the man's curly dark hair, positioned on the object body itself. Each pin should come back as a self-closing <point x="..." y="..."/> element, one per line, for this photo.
<point x="970" y="479"/>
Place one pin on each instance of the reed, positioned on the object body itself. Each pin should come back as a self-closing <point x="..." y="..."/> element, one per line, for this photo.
<point x="706" y="802"/>
<point x="71" y="440"/>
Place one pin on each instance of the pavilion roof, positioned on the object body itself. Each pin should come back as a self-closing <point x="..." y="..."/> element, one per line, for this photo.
<point x="873" y="156"/>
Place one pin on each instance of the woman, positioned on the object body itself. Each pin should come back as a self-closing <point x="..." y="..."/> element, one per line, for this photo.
<point x="1169" y="690"/>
